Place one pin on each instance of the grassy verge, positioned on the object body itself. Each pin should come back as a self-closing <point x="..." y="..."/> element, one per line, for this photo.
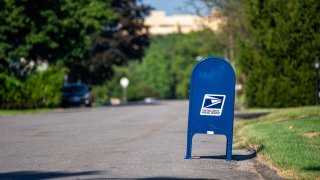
<point x="26" y="111"/>
<point x="288" y="139"/>
<point x="5" y="112"/>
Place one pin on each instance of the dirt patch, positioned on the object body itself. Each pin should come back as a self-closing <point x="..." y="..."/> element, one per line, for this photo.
<point x="311" y="134"/>
<point x="280" y="120"/>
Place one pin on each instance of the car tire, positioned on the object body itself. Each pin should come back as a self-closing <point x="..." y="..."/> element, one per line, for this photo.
<point x="64" y="105"/>
<point x="88" y="103"/>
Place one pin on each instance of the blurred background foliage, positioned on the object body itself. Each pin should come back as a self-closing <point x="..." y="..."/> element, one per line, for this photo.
<point x="87" y="38"/>
<point x="40" y="89"/>
<point x="56" y="31"/>
<point x="166" y="68"/>
<point x="278" y="57"/>
<point x="272" y="46"/>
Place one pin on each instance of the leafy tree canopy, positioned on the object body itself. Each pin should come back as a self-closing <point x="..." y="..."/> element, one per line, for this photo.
<point x="123" y="39"/>
<point x="166" y="68"/>
<point x="170" y="59"/>
<point x="56" y="31"/>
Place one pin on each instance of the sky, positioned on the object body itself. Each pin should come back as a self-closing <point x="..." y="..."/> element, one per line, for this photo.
<point x="169" y="6"/>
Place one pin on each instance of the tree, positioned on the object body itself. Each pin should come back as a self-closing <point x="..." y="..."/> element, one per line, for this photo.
<point x="157" y="64"/>
<point x="232" y="26"/>
<point x="170" y="59"/>
<point x="55" y="31"/>
<point x="43" y="30"/>
<point x="166" y="68"/>
<point x="189" y="49"/>
<point x="123" y="39"/>
<point x="278" y="57"/>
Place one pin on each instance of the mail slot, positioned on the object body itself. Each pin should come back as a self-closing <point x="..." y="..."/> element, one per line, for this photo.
<point x="211" y="101"/>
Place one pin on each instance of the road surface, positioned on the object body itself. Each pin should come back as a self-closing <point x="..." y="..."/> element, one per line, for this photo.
<point x="143" y="141"/>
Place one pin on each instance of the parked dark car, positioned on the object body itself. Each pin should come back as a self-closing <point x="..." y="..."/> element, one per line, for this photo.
<point x="76" y="94"/>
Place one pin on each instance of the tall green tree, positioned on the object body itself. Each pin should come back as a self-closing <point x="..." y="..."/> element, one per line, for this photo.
<point x="56" y="31"/>
<point x="123" y="39"/>
<point x="157" y="64"/>
<point x="278" y="57"/>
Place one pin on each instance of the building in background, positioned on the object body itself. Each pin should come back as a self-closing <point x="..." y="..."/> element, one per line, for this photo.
<point x="159" y="23"/>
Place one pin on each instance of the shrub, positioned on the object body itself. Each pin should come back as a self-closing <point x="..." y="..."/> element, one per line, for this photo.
<point x="41" y="89"/>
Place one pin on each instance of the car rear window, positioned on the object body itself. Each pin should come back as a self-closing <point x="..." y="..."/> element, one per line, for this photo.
<point x="73" y="88"/>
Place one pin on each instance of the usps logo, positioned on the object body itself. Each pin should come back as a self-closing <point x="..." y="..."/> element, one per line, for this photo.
<point x="212" y="105"/>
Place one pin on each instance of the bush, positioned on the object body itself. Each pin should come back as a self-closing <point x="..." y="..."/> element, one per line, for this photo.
<point x="41" y="89"/>
<point x="137" y="89"/>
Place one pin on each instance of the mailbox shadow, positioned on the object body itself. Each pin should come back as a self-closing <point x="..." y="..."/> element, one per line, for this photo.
<point x="250" y="115"/>
<point x="44" y="174"/>
<point x="238" y="157"/>
<point x="235" y="157"/>
<point x="252" y="153"/>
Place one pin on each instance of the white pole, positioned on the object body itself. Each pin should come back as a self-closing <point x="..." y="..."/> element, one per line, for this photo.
<point x="124" y="82"/>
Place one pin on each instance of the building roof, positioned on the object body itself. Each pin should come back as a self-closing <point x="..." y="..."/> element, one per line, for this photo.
<point x="159" y="23"/>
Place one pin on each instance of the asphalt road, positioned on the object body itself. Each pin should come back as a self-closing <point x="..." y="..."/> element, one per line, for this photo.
<point x="144" y="141"/>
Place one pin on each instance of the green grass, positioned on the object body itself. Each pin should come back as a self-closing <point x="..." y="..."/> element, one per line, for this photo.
<point x="289" y="139"/>
<point x="4" y="112"/>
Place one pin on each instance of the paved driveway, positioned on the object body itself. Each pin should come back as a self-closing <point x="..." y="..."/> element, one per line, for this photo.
<point x="145" y="141"/>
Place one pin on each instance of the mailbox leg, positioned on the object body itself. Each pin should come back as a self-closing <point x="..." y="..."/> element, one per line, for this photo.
<point x="189" y="146"/>
<point x="229" y="148"/>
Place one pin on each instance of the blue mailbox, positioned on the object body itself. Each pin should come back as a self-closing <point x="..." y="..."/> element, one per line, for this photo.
<point x="211" y="101"/>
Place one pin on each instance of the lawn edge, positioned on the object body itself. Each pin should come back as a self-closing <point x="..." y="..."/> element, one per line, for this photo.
<point x="242" y="140"/>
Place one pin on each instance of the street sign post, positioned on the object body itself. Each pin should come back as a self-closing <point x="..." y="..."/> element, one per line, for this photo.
<point x="124" y="82"/>
<point x="211" y="101"/>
